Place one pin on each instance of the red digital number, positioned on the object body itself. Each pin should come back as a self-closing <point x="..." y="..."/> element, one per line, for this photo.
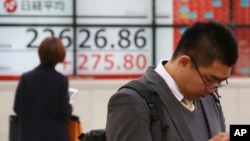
<point x="140" y="61"/>
<point x="130" y="61"/>
<point x="109" y="64"/>
<point x="83" y="66"/>
<point x="108" y="60"/>
<point x="97" y="60"/>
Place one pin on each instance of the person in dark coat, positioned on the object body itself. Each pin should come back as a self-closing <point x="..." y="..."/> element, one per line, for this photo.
<point x="187" y="85"/>
<point x="41" y="100"/>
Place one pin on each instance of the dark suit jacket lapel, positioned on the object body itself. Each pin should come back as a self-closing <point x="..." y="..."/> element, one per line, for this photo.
<point x="169" y="103"/>
<point x="213" y="120"/>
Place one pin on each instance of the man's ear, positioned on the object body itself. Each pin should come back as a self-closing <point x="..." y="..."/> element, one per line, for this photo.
<point x="184" y="61"/>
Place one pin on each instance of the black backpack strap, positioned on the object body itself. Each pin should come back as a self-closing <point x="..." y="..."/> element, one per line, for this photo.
<point x="154" y="103"/>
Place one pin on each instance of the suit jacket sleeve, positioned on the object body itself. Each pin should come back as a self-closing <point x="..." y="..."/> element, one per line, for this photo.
<point x="128" y="117"/>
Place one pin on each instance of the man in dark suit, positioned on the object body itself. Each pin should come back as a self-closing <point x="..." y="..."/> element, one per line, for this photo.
<point x="187" y="86"/>
<point x="42" y="101"/>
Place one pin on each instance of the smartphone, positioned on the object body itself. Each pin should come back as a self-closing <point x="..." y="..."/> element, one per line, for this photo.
<point x="72" y="92"/>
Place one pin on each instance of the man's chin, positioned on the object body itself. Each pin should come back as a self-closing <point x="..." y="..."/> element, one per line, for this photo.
<point x="199" y="97"/>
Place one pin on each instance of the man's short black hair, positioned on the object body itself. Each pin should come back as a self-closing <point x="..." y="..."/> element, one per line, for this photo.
<point x="208" y="41"/>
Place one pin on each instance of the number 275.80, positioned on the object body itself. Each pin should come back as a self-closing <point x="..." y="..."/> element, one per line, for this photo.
<point x="128" y="62"/>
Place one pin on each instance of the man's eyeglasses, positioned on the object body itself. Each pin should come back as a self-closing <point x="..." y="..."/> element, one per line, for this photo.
<point x="213" y="86"/>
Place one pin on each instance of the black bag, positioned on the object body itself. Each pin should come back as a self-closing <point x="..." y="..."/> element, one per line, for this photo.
<point x="13" y="128"/>
<point x="93" y="135"/>
<point x="156" y="113"/>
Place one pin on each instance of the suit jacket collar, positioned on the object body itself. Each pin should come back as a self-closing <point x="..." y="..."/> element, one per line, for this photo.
<point x="168" y="100"/>
<point x="45" y="66"/>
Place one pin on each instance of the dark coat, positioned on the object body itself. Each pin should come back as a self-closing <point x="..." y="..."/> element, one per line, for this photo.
<point x="128" y="117"/>
<point x="42" y="103"/>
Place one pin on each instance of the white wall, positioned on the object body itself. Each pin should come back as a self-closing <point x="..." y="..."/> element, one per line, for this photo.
<point x="91" y="103"/>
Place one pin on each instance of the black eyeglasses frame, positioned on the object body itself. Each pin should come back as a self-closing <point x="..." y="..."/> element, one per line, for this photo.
<point x="214" y="86"/>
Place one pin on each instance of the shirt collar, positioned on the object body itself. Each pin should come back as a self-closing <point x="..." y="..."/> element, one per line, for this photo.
<point x="169" y="80"/>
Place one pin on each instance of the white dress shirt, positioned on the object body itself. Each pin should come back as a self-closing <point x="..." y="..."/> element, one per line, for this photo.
<point x="169" y="80"/>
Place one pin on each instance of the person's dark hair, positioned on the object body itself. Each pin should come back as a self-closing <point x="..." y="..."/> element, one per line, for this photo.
<point x="51" y="51"/>
<point x="208" y="41"/>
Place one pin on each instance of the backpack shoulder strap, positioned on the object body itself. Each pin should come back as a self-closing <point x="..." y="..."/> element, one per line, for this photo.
<point x="155" y="107"/>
